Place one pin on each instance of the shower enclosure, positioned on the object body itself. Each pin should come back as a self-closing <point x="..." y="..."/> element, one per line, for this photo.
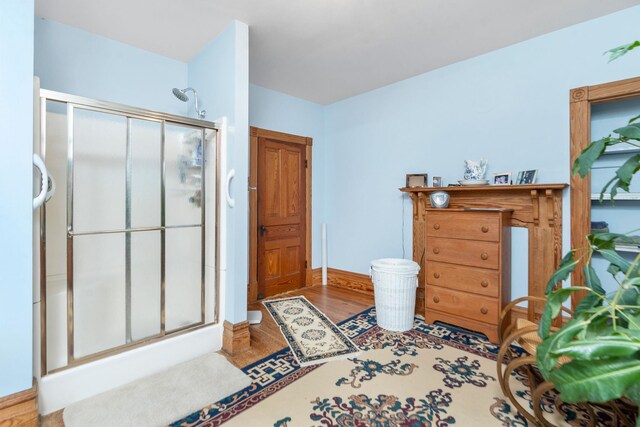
<point x="129" y="232"/>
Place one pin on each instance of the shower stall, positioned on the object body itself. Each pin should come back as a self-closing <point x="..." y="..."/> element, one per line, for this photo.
<point x="129" y="233"/>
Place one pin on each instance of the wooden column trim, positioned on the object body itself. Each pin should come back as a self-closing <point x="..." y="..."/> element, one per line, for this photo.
<point x="580" y="133"/>
<point x="20" y="409"/>
<point x="236" y="337"/>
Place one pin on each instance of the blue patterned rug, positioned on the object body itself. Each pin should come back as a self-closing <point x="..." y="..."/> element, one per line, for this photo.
<point x="432" y="375"/>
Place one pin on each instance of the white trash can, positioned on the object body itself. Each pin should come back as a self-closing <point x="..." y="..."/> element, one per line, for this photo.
<point x="394" y="283"/>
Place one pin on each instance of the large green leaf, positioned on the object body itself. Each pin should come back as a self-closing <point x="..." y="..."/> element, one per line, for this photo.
<point x="631" y="131"/>
<point x="616" y="260"/>
<point x="629" y="296"/>
<point x="604" y="240"/>
<point x="592" y="280"/>
<point x="567" y="265"/>
<point x="593" y="298"/>
<point x="553" y="307"/>
<point x="545" y="358"/>
<point x="597" y="380"/>
<point x="599" y="348"/>
<point x="623" y="177"/>
<point x="617" y="52"/>
<point x="584" y="162"/>
<point x="598" y="327"/>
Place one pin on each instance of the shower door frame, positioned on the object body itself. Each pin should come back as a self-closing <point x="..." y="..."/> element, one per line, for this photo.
<point x="73" y="102"/>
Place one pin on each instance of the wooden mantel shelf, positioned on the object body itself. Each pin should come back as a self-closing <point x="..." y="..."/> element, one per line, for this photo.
<point x="501" y="188"/>
<point x="538" y="207"/>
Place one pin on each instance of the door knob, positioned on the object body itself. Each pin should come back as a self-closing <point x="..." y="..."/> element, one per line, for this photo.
<point x="263" y="230"/>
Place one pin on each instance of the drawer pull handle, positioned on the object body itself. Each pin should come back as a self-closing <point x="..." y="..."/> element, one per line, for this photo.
<point x="436" y="275"/>
<point x="484" y="283"/>
<point x="485" y="229"/>
<point x="436" y="299"/>
<point x="484" y="310"/>
<point x="484" y="256"/>
<point x="436" y="250"/>
<point x="436" y="226"/>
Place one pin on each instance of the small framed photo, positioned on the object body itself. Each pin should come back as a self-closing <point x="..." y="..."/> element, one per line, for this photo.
<point x="502" y="178"/>
<point x="527" y="177"/>
<point x="437" y="181"/>
<point x="417" y="180"/>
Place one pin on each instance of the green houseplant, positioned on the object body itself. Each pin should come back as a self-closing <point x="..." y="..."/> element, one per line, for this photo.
<point x="602" y="339"/>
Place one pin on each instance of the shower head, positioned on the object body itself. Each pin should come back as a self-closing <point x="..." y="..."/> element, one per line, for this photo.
<point x="181" y="94"/>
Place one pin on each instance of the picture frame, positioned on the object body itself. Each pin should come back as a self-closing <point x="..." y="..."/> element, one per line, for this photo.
<point x="417" y="180"/>
<point x="502" y="178"/>
<point x="527" y="177"/>
<point x="437" y="181"/>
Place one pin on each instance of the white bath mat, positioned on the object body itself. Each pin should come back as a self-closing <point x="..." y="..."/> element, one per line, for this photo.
<point x="162" y="398"/>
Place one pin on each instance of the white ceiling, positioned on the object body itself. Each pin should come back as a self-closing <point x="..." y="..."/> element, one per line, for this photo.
<point x="327" y="50"/>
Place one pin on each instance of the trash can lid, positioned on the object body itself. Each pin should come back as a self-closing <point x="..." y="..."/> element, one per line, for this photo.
<point x="395" y="265"/>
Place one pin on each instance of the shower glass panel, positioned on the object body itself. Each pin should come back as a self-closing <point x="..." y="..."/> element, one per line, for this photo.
<point x="129" y="239"/>
<point x="98" y="293"/>
<point x="145" y="173"/>
<point x="184" y="209"/>
<point x="183" y="278"/>
<point x="54" y="235"/>
<point x="183" y="175"/>
<point x="99" y="171"/>
<point x="145" y="284"/>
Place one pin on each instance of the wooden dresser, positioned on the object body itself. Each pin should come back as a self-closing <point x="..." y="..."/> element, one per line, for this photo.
<point x="468" y="267"/>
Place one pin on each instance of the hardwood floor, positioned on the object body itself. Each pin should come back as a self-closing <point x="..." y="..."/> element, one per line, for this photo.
<point x="337" y="303"/>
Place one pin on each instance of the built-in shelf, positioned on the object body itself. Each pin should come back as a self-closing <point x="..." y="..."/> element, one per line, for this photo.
<point x="622" y="151"/>
<point x="628" y="248"/>
<point x="619" y="196"/>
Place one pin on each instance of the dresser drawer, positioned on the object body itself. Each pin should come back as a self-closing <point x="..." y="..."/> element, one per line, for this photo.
<point x="467" y="279"/>
<point x="476" y="307"/>
<point x="464" y="225"/>
<point x="464" y="252"/>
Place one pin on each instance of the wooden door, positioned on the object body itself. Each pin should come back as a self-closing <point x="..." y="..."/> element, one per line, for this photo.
<point x="281" y="216"/>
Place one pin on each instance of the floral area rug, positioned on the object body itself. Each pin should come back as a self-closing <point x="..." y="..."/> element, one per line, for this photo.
<point x="312" y="337"/>
<point x="432" y="375"/>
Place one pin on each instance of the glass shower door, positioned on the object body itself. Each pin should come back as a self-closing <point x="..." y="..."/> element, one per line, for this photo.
<point x="124" y="237"/>
<point x="116" y="230"/>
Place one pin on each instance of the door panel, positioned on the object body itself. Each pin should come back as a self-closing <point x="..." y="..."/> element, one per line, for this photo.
<point x="281" y="215"/>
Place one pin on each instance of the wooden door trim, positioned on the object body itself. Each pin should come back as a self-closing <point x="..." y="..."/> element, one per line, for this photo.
<point x="254" y="135"/>
<point x="581" y="100"/>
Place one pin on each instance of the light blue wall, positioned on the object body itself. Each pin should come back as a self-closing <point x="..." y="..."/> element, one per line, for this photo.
<point x="16" y="187"/>
<point x="70" y="60"/>
<point x="283" y="113"/>
<point x="220" y="73"/>
<point x="510" y="106"/>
